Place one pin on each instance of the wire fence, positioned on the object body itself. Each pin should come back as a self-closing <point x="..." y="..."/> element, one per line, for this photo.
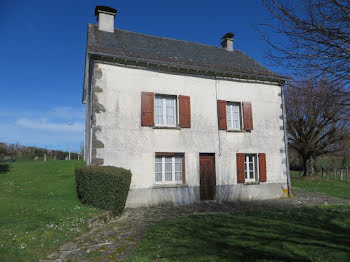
<point x="332" y="173"/>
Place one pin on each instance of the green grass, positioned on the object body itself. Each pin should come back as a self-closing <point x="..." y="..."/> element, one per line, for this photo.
<point x="303" y="234"/>
<point x="39" y="209"/>
<point x="330" y="187"/>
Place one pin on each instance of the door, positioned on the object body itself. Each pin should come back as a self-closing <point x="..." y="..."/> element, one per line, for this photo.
<point x="207" y="176"/>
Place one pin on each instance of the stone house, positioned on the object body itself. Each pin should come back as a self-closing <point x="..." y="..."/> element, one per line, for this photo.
<point x="191" y="121"/>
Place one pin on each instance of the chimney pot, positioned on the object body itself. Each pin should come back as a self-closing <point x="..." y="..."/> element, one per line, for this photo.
<point x="105" y="18"/>
<point x="227" y="42"/>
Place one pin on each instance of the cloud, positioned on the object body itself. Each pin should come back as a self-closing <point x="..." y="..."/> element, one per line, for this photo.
<point x="67" y="113"/>
<point x="43" y="128"/>
<point x="45" y="124"/>
<point x="62" y="112"/>
<point x="12" y="133"/>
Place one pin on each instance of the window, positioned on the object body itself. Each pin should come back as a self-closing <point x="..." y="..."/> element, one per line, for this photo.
<point x="165" y="110"/>
<point x="250" y="169"/>
<point x="233" y="116"/>
<point x="169" y="169"/>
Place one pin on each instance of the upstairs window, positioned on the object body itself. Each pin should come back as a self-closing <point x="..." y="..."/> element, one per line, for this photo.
<point x="165" y="110"/>
<point x="169" y="169"/>
<point x="161" y="110"/>
<point x="233" y="116"/>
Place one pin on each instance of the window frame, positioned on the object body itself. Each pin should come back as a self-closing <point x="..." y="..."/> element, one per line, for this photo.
<point x="255" y="169"/>
<point x="170" y="155"/>
<point x="164" y="114"/>
<point x="240" y="117"/>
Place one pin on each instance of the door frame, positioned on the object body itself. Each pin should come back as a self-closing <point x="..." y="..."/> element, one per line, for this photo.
<point x="199" y="173"/>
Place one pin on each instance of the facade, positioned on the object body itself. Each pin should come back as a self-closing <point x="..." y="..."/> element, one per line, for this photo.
<point x="192" y="122"/>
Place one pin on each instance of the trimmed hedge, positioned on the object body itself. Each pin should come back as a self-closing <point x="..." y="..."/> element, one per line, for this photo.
<point x="105" y="187"/>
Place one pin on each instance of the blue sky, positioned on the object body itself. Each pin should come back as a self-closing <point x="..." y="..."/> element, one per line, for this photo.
<point x="43" y="49"/>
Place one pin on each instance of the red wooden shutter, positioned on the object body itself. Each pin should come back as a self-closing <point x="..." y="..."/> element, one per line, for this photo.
<point x="222" y="115"/>
<point x="262" y="167"/>
<point x="147" y="109"/>
<point x="240" y="167"/>
<point x="248" y="116"/>
<point x="185" y="111"/>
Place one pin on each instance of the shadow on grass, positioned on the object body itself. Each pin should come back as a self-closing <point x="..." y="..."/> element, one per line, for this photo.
<point x="307" y="234"/>
<point x="4" y="168"/>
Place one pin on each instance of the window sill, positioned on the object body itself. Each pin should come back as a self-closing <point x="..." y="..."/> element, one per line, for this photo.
<point x="235" y="131"/>
<point x="251" y="183"/>
<point x="169" y="186"/>
<point x="167" y="127"/>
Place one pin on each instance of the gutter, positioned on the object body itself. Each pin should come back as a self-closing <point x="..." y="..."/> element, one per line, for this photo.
<point x="285" y="141"/>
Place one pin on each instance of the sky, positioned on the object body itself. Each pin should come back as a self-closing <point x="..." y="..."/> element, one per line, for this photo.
<point x="43" y="53"/>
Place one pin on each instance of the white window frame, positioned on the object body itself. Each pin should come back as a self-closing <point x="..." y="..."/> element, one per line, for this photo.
<point x="247" y="169"/>
<point x="240" y="117"/>
<point x="173" y="170"/>
<point x="164" y="112"/>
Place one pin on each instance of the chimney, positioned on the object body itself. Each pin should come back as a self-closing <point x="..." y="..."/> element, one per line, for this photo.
<point x="227" y="42"/>
<point x="105" y="18"/>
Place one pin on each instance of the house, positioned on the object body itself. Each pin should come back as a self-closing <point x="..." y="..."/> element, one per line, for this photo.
<point x="191" y="121"/>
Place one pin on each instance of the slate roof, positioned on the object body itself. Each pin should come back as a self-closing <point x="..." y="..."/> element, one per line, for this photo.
<point x="128" y="44"/>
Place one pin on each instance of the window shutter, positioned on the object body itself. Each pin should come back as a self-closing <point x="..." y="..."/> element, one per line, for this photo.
<point x="185" y="111"/>
<point x="248" y="116"/>
<point x="147" y="109"/>
<point x="240" y="167"/>
<point x="222" y="115"/>
<point x="262" y="167"/>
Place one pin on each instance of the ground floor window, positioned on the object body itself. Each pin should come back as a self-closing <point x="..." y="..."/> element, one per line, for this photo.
<point x="250" y="167"/>
<point x="169" y="168"/>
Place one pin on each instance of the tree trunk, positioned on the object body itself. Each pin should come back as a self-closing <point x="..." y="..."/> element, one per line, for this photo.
<point x="309" y="167"/>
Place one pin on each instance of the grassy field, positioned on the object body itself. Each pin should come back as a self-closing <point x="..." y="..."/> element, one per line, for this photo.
<point x="39" y="209"/>
<point x="304" y="234"/>
<point x="328" y="186"/>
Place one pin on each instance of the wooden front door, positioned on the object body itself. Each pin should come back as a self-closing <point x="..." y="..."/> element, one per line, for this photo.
<point x="207" y="176"/>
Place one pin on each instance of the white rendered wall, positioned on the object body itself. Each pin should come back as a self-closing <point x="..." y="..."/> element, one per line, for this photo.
<point x="128" y="145"/>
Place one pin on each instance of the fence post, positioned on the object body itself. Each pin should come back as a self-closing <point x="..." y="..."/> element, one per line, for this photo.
<point x="323" y="173"/>
<point x="341" y="174"/>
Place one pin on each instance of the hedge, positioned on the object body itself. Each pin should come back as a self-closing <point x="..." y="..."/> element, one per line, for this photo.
<point x="105" y="187"/>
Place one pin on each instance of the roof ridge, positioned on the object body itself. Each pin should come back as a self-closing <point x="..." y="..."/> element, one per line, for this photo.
<point x="168" y="38"/>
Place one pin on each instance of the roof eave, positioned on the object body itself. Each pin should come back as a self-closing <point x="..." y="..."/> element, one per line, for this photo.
<point x="210" y="71"/>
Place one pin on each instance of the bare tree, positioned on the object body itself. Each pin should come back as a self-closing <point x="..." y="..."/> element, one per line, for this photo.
<point x="310" y="36"/>
<point x="317" y="120"/>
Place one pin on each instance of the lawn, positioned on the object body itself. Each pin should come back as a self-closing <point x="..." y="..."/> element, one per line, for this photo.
<point x="303" y="234"/>
<point x="328" y="186"/>
<point x="39" y="209"/>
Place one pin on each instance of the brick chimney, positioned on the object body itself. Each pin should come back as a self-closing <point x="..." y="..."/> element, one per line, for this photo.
<point x="105" y="18"/>
<point x="227" y="42"/>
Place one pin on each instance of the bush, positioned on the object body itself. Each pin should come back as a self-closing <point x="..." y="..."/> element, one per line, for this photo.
<point x="4" y="168"/>
<point x="105" y="187"/>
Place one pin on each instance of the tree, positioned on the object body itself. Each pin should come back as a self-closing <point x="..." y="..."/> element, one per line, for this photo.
<point x="317" y="120"/>
<point x="310" y="36"/>
<point x="3" y="150"/>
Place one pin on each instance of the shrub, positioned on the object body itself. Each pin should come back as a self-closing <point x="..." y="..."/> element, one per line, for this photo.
<point x="105" y="187"/>
<point x="4" y="168"/>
